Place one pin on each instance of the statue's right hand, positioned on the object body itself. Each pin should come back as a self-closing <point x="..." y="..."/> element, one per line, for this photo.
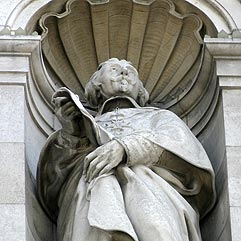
<point x="66" y="112"/>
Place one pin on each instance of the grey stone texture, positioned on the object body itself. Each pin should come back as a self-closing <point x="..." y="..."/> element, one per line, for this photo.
<point x="34" y="141"/>
<point x="228" y="67"/>
<point x="213" y="140"/>
<point x="12" y="173"/>
<point x="8" y="78"/>
<point x="236" y="223"/>
<point x="12" y="113"/>
<point x="229" y="82"/>
<point x="14" y="64"/>
<point x="12" y="147"/>
<point x="12" y="222"/>
<point x="6" y="8"/>
<point x="234" y="171"/>
<point x="232" y="116"/>
<point x="38" y="225"/>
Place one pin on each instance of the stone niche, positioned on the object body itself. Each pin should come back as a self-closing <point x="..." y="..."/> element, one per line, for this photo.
<point x="164" y="41"/>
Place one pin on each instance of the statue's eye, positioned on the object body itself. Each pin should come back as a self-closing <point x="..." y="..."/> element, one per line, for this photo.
<point x="131" y="72"/>
<point x="113" y="68"/>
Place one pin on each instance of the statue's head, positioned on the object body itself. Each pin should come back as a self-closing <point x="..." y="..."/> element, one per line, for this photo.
<point x="115" y="77"/>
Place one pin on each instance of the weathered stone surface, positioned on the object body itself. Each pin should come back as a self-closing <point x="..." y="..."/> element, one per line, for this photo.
<point x="220" y="47"/>
<point x="229" y="67"/>
<point x="213" y="140"/>
<point x="230" y="82"/>
<point x="232" y="7"/>
<point x="12" y="175"/>
<point x="11" y="113"/>
<point x="226" y="234"/>
<point x="39" y="227"/>
<point x="232" y="116"/>
<point x="34" y="141"/>
<point x="219" y="216"/>
<point x="6" y="9"/>
<point x="29" y="234"/>
<point x="236" y="223"/>
<point x="13" y="78"/>
<point x="12" y="222"/>
<point x="14" y="63"/>
<point x="234" y="170"/>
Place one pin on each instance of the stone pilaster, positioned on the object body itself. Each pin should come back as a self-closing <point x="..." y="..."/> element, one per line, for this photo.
<point x="14" y="69"/>
<point x="227" y="54"/>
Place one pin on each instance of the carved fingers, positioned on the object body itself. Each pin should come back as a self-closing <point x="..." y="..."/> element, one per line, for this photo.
<point x="66" y="112"/>
<point x="103" y="160"/>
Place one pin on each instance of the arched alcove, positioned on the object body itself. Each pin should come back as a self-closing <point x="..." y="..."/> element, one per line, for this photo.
<point x="164" y="41"/>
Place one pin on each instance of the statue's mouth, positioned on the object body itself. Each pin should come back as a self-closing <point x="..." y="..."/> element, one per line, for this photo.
<point x="123" y="88"/>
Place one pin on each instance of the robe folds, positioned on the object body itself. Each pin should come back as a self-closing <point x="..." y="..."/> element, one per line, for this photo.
<point x="160" y="191"/>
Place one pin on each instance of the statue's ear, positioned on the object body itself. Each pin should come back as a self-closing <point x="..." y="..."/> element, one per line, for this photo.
<point x="143" y="96"/>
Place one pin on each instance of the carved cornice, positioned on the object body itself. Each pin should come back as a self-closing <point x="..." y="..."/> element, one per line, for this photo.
<point x="19" y="44"/>
<point x="223" y="48"/>
<point x="227" y="55"/>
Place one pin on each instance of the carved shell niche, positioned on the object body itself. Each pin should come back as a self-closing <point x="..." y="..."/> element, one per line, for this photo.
<point x="165" y="46"/>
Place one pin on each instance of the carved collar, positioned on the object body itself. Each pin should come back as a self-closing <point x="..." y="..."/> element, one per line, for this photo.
<point x="117" y="102"/>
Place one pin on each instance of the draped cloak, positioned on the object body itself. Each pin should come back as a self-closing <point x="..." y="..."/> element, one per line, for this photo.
<point x="159" y="192"/>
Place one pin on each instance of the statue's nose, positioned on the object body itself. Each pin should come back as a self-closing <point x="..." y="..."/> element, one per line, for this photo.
<point x="124" y="71"/>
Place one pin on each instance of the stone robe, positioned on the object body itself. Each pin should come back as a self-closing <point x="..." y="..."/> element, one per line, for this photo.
<point x="159" y="192"/>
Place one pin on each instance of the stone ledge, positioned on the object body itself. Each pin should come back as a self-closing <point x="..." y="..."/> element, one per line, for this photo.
<point x="19" y="44"/>
<point x="223" y="48"/>
<point x="230" y="82"/>
<point x="9" y="78"/>
<point x="14" y="64"/>
<point x="229" y="67"/>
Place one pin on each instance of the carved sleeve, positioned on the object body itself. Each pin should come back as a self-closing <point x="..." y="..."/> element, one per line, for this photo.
<point x="140" y="150"/>
<point x="66" y="140"/>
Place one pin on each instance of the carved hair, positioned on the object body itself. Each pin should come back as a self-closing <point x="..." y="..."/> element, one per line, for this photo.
<point x="93" y="87"/>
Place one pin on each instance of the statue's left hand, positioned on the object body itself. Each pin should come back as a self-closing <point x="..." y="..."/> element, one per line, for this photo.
<point x="103" y="159"/>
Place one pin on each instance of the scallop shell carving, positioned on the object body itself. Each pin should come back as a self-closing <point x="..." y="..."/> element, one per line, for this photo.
<point x="165" y="46"/>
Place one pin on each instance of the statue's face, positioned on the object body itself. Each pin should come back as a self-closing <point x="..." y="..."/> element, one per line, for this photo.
<point x="119" y="78"/>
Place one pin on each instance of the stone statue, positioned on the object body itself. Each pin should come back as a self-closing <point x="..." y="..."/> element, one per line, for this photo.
<point x="131" y="173"/>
